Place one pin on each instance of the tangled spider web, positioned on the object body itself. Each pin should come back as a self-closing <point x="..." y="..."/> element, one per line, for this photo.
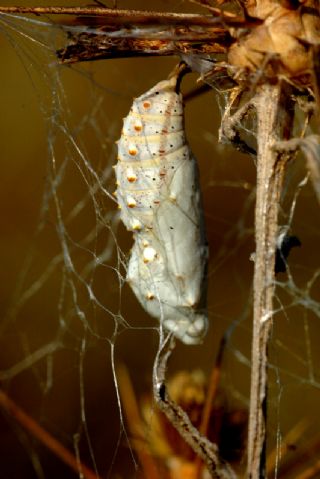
<point x="69" y="319"/>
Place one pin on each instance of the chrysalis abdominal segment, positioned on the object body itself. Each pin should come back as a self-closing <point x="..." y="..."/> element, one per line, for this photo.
<point x="159" y="197"/>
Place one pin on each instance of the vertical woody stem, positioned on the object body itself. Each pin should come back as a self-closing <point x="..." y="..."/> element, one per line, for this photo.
<point x="274" y="120"/>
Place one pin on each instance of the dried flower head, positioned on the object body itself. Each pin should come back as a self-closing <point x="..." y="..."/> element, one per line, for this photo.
<point x="281" y="45"/>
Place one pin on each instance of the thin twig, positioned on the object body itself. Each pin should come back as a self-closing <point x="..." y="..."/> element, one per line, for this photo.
<point x="207" y="451"/>
<point x="135" y="425"/>
<point x="195" y="92"/>
<point x="210" y="397"/>
<point x="115" y="16"/>
<point x="310" y="472"/>
<point x="44" y="437"/>
<point x="231" y="124"/>
<point x="213" y="388"/>
<point x="274" y="118"/>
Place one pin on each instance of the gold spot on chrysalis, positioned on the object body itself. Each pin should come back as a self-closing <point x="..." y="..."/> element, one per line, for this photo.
<point x="149" y="254"/>
<point x="136" y="225"/>
<point x="131" y="202"/>
<point x="131" y="176"/>
<point x="132" y="151"/>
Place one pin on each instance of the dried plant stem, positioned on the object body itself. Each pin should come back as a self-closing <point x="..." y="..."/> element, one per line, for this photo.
<point x="206" y="450"/>
<point x="116" y="16"/>
<point x="212" y="389"/>
<point x="274" y="120"/>
<point x="210" y="398"/>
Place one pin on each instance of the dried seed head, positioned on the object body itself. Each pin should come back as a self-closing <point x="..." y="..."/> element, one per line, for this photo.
<point x="280" y="46"/>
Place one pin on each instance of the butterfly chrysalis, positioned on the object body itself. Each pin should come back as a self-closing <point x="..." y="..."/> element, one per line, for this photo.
<point x="159" y="197"/>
